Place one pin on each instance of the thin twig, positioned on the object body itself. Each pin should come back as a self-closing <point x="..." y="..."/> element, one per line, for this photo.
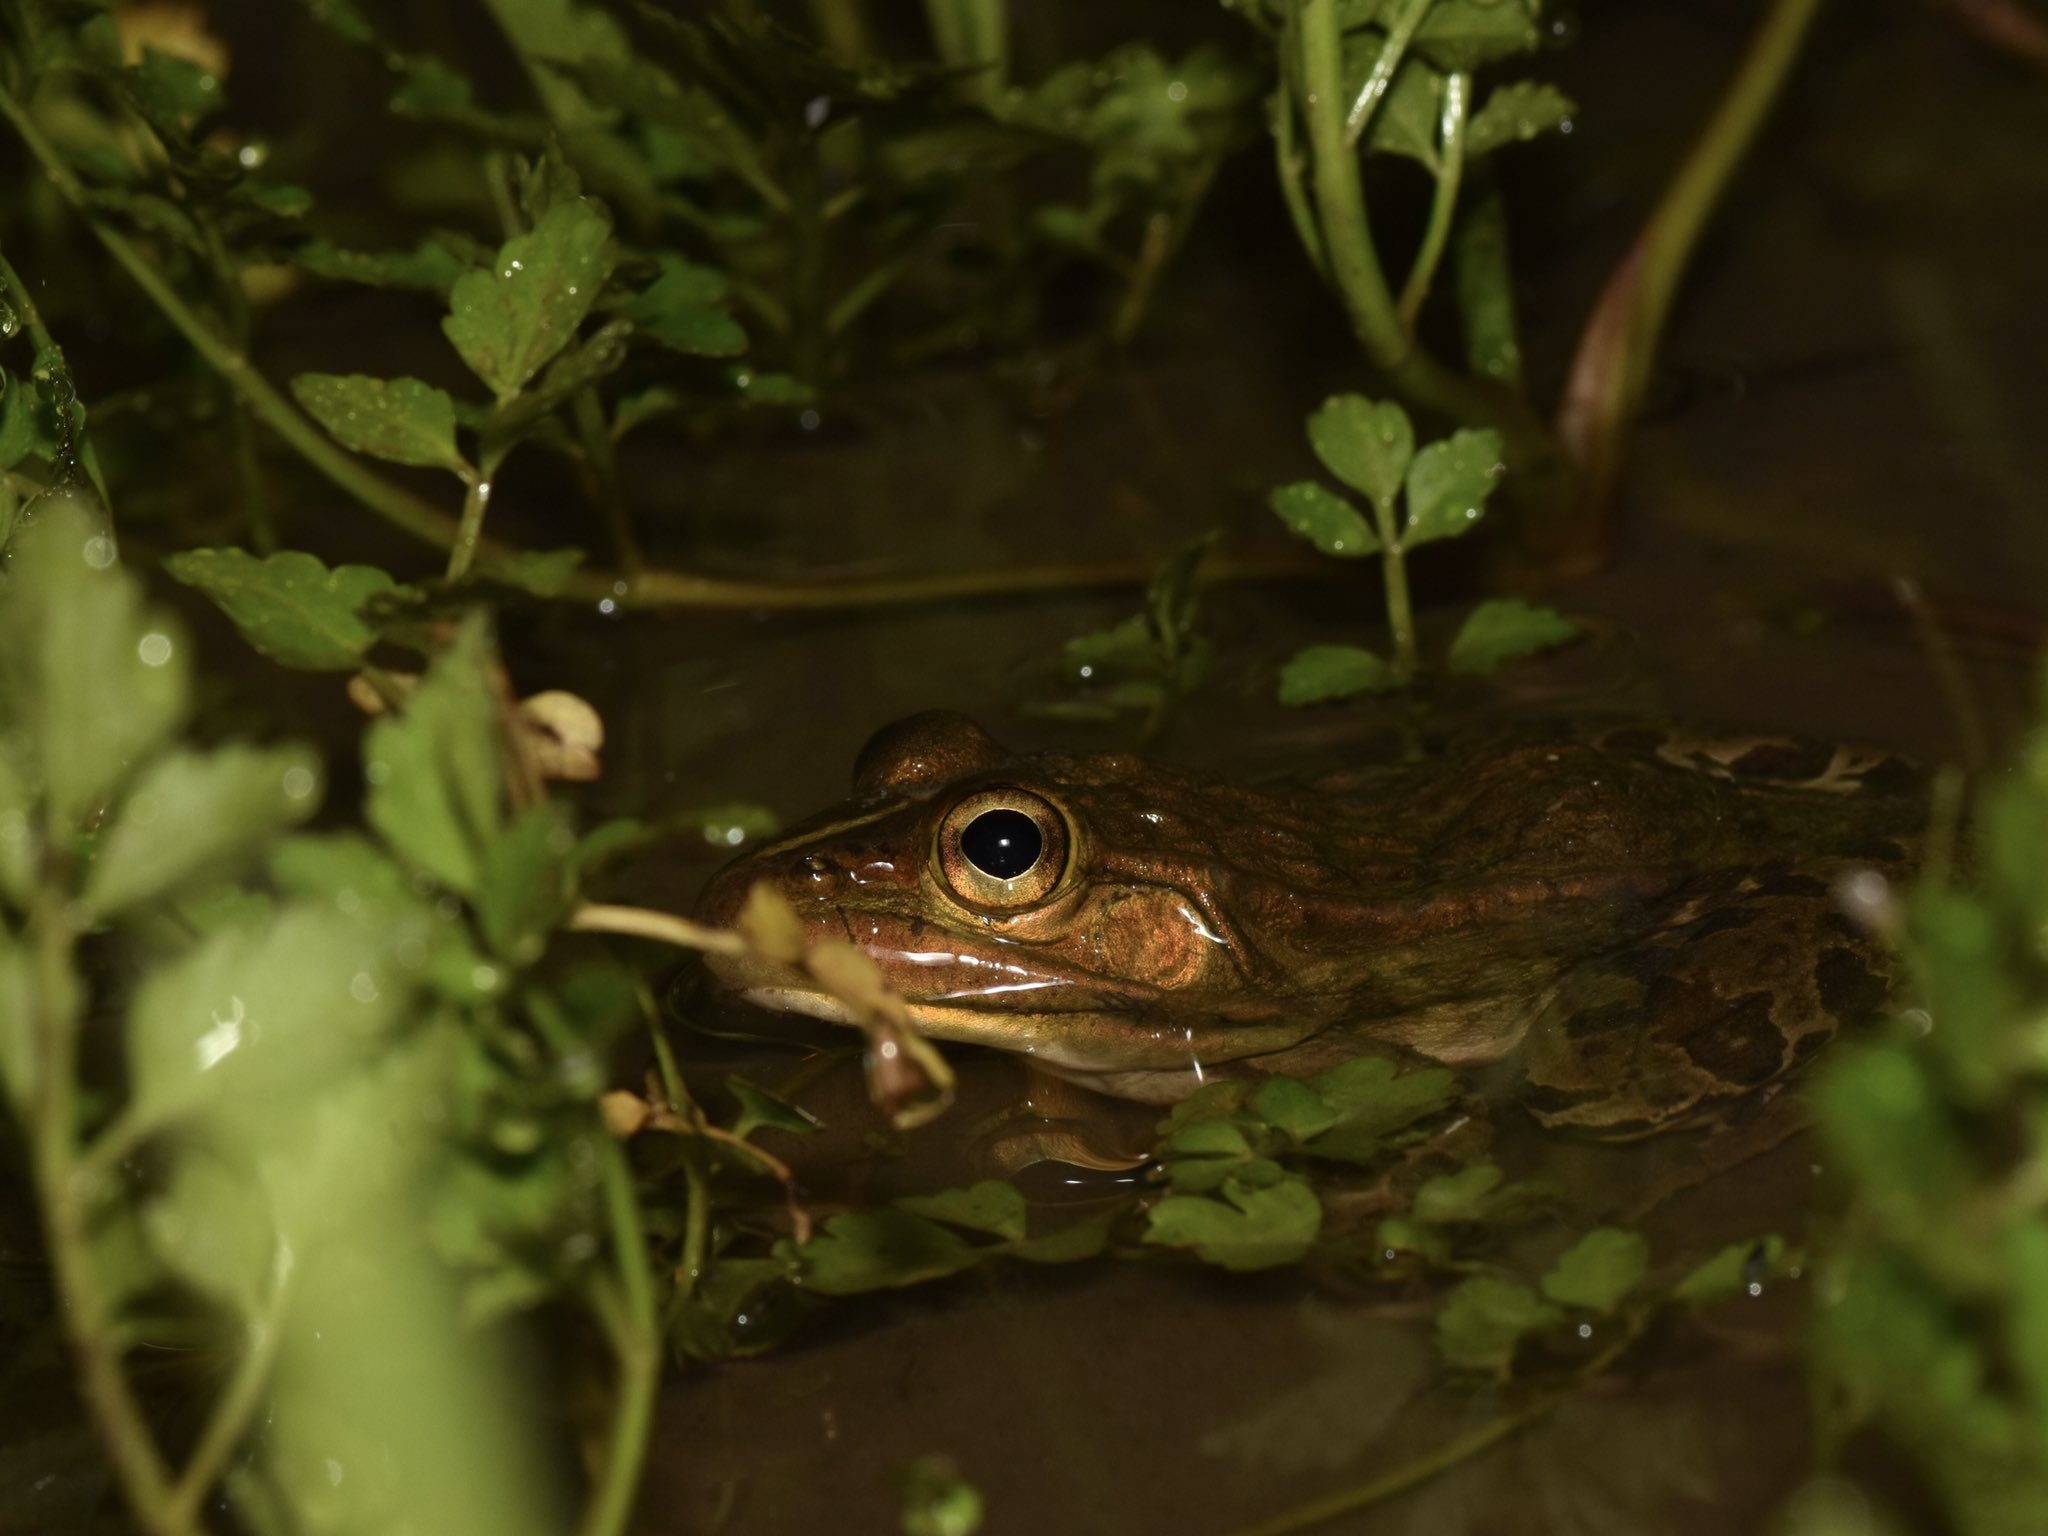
<point x="662" y="927"/>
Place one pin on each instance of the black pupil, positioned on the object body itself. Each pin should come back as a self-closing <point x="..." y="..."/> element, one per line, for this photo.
<point x="1002" y="843"/>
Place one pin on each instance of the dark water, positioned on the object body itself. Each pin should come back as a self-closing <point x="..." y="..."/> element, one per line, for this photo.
<point x="1853" y="395"/>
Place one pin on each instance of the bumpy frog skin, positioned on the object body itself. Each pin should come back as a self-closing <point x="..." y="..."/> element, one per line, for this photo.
<point x="1646" y="923"/>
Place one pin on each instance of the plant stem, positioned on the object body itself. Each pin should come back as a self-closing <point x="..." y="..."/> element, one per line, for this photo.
<point x="1355" y="264"/>
<point x="230" y="1418"/>
<point x="65" y="1202"/>
<point x="1290" y="164"/>
<point x="476" y="500"/>
<point x="636" y="1342"/>
<point x="1381" y="77"/>
<point x="696" y="1229"/>
<point x="1611" y="370"/>
<point x="1394" y="576"/>
<point x="1444" y="206"/>
<point x="605" y="489"/>
<point x="974" y="34"/>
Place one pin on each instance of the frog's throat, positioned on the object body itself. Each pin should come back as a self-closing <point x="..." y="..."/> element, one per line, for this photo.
<point x="1080" y="1041"/>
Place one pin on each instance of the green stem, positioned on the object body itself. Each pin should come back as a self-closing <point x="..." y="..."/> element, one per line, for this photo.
<point x="476" y="501"/>
<point x="636" y="1340"/>
<point x="1164" y="232"/>
<point x="1455" y="1453"/>
<point x="1394" y="576"/>
<point x="1355" y="265"/>
<point x="696" y="1230"/>
<point x="1612" y="369"/>
<point x="231" y="1416"/>
<point x="65" y="1202"/>
<point x="1444" y="206"/>
<point x="974" y="34"/>
<point x="1381" y="77"/>
<point x="1291" y="165"/>
<point x="605" y="488"/>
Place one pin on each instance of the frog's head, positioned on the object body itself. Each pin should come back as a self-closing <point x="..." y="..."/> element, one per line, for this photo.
<point x="1055" y="906"/>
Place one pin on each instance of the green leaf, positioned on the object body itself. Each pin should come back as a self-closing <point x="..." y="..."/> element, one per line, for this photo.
<point x="991" y="1206"/>
<point x="1521" y="109"/>
<point x="1448" y="485"/>
<point x="1406" y="122"/>
<point x="1376" y="1101"/>
<point x="1366" y="444"/>
<point x="1325" y="519"/>
<point x="1468" y="34"/>
<point x="97" y="680"/>
<point x="1293" y="1107"/>
<point x="1482" y="1321"/>
<point x="1255" y="1229"/>
<point x="1319" y="672"/>
<point x="938" y="1501"/>
<point x="190" y="814"/>
<point x="434" y="771"/>
<point x="879" y="1250"/>
<point x="508" y="321"/>
<point x="1485" y="287"/>
<point x="1505" y="629"/>
<point x="1066" y="1245"/>
<point x="401" y="420"/>
<point x="211" y="1225"/>
<point x="289" y="606"/>
<point x="682" y="310"/>
<point x="1733" y="1271"/>
<point x="1397" y="1235"/>
<point x="1455" y="1197"/>
<point x="258" y="1011"/>
<point x="169" y="90"/>
<point x="28" y="424"/>
<point x="524" y="890"/>
<point x="760" y="1109"/>
<point x="1598" y="1270"/>
<point x="430" y="266"/>
<point x="543" y="572"/>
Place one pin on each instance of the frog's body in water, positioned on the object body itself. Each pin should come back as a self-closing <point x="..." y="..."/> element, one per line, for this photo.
<point x="1646" y="925"/>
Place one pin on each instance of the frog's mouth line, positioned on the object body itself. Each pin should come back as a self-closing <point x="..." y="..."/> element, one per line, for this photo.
<point x="1089" y="1040"/>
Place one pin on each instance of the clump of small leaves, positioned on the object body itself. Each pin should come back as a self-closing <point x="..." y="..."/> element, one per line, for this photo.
<point x="1934" y="1317"/>
<point x="1144" y="664"/>
<point x="1412" y="497"/>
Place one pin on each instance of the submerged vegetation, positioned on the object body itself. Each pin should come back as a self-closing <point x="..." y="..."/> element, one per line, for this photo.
<point x="335" y="1068"/>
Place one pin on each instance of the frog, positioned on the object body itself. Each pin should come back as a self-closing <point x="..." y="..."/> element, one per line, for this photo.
<point x="1635" y="924"/>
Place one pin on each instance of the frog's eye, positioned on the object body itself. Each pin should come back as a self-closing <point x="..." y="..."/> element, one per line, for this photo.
<point x="1002" y="848"/>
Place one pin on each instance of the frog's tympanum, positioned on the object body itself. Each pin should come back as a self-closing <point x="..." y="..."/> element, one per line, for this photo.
<point x="1644" y="923"/>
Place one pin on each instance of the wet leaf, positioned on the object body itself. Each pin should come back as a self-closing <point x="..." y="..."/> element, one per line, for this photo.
<point x="1293" y="1107"/>
<point x="1448" y="485"/>
<point x="508" y="321"/>
<point x="762" y="1110"/>
<point x="257" y="1011"/>
<point x="1251" y="1228"/>
<point x="1367" y="444"/>
<point x="97" y="679"/>
<point x="1505" y="629"/>
<point x="1456" y="1197"/>
<point x="992" y="1206"/>
<point x="1518" y="110"/>
<point x="880" y="1250"/>
<point x="289" y="606"/>
<point x="1319" y="672"/>
<point x="400" y="420"/>
<point x="433" y="771"/>
<point x="1598" y="1270"/>
<point x="1325" y="519"/>
<point x="683" y="310"/>
<point x="1467" y="34"/>
<point x="743" y="1307"/>
<point x="1734" y="1270"/>
<point x="1485" y="1317"/>
<point x="192" y="814"/>
<point x="430" y="266"/>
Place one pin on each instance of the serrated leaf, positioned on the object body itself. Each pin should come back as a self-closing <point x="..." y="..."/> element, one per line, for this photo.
<point x="289" y="606"/>
<point x="508" y="321"/>
<point x="1484" y="1318"/>
<point x="1598" y="1270"/>
<point x="1505" y="629"/>
<point x="1521" y="109"/>
<point x="1456" y="1197"/>
<point x="1365" y="443"/>
<point x="879" y="1250"/>
<point x="1448" y="485"/>
<point x="97" y="679"/>
<point x="434" y="772"/>
<point x="1248" y="1229"/>
<point x="991" y="1206"/>
<point x="762" y="1110"/>
<point x="1319" y="672"/>
<point x="1324" y="518"/>
<point x="681" y="310"/>
<point x="403" y="421"/>
<point x="192" y="814"/>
